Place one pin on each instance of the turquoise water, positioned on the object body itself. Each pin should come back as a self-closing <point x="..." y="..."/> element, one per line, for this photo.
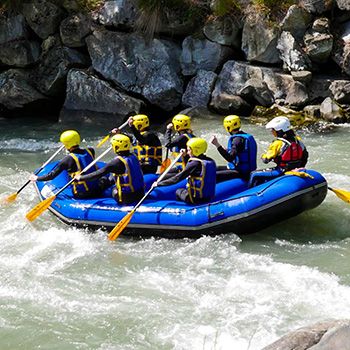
<point x="65" y="288"/>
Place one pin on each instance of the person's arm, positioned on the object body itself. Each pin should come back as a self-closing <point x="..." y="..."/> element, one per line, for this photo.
<point x="140" y="138"/>
<point x="179" y="142"/>
<point x="66" y="163"/>
<point x="273" y="151"/>
<point x="189" y="169"/>
<point x="168" y="136"/>
<point x="115" y="166"/>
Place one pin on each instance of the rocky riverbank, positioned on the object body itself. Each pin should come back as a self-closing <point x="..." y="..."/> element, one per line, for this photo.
<point x="58" y="62"/>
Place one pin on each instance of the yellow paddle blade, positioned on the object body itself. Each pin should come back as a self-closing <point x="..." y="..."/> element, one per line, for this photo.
<point x="342" y="194"/>
<point x="40" y="208"/>
<point x="120" y="226"/>
<point x="166" y="163"/>
<point x="298" y="173"/>
<point x="10" y="198"/>
<point x="103" y="141"/>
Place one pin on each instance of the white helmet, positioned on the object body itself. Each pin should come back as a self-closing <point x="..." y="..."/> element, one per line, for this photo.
<point x="279" y="123"/>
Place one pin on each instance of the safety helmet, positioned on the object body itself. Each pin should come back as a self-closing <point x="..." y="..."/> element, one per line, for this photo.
<point x="120" y="142"/>
<point x="140" y="121"/>
<point x="181" y="122"/>
<point x="232" y="122"/>
<point x="197" y="145"/>
<point x="279" y="124"/>
<point x="70" y="138"/>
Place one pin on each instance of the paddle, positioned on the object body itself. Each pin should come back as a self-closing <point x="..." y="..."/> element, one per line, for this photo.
<point x="119" y="227"/>
<point x="107" y="137"/>
<point x="42" y="206"/>
<point x="13" y="196"/>
<point x="166" y="162"/>
<point x="342" y="194"/>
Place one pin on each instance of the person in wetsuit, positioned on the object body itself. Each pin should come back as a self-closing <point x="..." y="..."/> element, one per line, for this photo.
<point x="76" y="160"/>
<point x="126" y="172"/>
<point x="287" y="151"/>
<point x="200" y="173"/>
<point x="240" y="152"/>
<point x="145" y="143"/>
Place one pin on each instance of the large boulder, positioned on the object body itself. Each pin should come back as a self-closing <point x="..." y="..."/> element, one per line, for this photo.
<point x="56" y="61"/>
<point x="224" y="30"/>
<point x="43" y="17"/>
<point x="117" y="13"/>
<point x="343" y="4"/>
<point x="319" y="41"/>
<point x="341" y="50"/>
<point x="150" y="69"/>
<point x="198" y="90"/>
<point x="12" y="29"/>
<point x="297" y="95"/>
<point x="256" y="91"/>
<point x="328" y="335"/>
<point x="16" y="90"/>
<point x="296" y="21"/>
<point x="341" y="91"/>
<point x="74" y="29"/>
<point x="291" y="53"/>
<point x="87" y="92"/>
<point x="20" y="53"/>
<point x="202" y="54"/>
<point x="259" y="40"/>
<point x="332" y="112"/>
<point x="317" y="7"/>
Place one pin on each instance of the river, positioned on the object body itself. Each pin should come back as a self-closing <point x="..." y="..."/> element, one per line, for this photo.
<point x="64" y="288"/>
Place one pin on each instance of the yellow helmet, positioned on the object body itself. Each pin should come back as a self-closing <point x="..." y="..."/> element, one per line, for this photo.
<point x="120" y="142"/>
<point x="70" y="138"/>
<point x="232" y="122"/>
<point x="140" y="121"/>
<point x="181" y="122"/>
<point x="197" y="145"/>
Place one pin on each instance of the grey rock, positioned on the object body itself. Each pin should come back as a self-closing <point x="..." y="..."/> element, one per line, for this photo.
<point x="316" y="7"/>
<point x="227" y="104"/>
<point x="74" y="29"/>
<point x="292" y="55"/>
<point x="303" y="76"/>
<point x="343" y="4"/>
<point x="117" y="13"/>
<point x="150" y="68"/>
<point x="202" y="54"/>
<point x="336" y="338"/>
<point x="87" y="92"/>
<point x="341" y="91"/>
<point x="20" y="53"/>
<point x="259" y="40"/>
<point x="16" y="90"/>
<point x="304" y="338"/>
<point x="312" y="111"/>
<point x="199" y="89"/>
<point x="12" y="28"/>
<point x="331" y="111"/>
<point x="296" y="21"/>
<point x="224" y="30"/>
<point x="43" y="17"/>
<point x="297" y="95"/>
<point x="257" y="90"/>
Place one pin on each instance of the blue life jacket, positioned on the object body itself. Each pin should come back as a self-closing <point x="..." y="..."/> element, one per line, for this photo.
<point x="82" y="161"/>
<point x="245" y="161"/>
<point x="202" y="186"/>
<point x="132" y="179"/>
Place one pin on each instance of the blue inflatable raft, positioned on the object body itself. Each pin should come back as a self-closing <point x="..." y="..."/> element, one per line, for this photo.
<point x="236" y="209"/>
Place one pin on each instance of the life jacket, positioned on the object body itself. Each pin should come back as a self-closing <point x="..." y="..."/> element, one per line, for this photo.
<point x="291" y="154"/>
<point x="245" y="161"/>
<point x="82" y="161"/>
<point x="150" y="155"/>
<point x="202" y="186"/>
<point x="132" y="179"/>
<point x="181" y="163"/>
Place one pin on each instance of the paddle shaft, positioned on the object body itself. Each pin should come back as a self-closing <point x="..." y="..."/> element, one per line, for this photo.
<point x="84" y="170"/>
<point x="108" y="136"/>
<point x="42" y="167"/>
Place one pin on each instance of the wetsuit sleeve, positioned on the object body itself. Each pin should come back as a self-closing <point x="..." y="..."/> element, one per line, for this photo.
<point x="190" y="168"/>
<point x="67" y="163"/>
<point x="115" y="166"/>
<point x="92" y="151"/>
<point x="168" y="136"/>
<point x="273" y="151"/>
<point x="148" y="138"/>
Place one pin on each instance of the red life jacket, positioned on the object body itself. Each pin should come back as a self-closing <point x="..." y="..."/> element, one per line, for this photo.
<point x="291" y="156"/>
